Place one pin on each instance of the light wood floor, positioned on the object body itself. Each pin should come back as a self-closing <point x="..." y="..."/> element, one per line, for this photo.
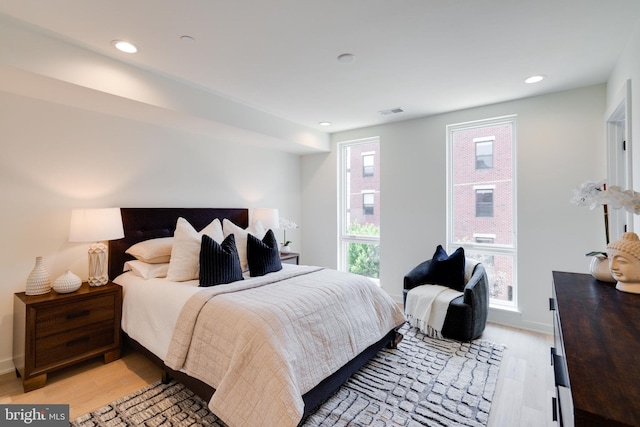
<point x="522" y="398"/>
<point x="525" y="383"/>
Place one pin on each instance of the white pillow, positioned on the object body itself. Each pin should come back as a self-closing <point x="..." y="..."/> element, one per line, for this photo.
<point x="469" y="266"/>
<point x="152" y="251"/>
<point x="185" y="254"/>
<point x="146" y="270"/>
<point x="240" y="235"/>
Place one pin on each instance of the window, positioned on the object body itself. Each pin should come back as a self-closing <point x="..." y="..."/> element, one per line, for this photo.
<point x="368" y="159"/>
<point x="485" y="239"/>
<point x="481" y="209"/>
<point x="359" y="207"/>
<point x="484" y="153"/>
<point x="487" y="260"/>
<point x="367" y="202"/>
<point x="484" y="203"/>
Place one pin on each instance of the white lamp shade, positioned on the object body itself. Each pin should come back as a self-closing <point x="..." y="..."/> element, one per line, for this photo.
<point x="269" y="217"/>
<point x="95" y="225"/>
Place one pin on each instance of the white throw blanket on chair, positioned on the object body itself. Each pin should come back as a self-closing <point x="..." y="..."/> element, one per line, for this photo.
<point x="426" y="307"/>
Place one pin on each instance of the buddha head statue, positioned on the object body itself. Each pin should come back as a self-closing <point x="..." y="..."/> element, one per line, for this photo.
<point x="624" y="262"/>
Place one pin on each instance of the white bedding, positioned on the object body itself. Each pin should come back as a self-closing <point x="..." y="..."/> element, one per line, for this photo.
<point x="264" y="359"/>
<point x="150" y="307"/>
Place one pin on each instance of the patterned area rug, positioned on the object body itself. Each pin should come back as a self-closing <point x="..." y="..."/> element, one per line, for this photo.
<point x="424" y="382"/>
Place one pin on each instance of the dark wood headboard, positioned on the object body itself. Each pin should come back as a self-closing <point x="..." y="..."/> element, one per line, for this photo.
<point x="148" y="223"/>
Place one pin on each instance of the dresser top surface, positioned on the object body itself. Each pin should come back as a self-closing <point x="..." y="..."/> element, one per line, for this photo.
<point x="601" y="336"/>
<point x="85" y="291"/>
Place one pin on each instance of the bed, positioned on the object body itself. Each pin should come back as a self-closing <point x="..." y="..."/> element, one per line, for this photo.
<point x="292" y="392"/>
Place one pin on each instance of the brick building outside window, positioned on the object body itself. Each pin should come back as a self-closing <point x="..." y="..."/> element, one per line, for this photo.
<point x="481" y="215"/>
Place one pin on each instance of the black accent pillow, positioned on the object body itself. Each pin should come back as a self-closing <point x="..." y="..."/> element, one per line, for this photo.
<point x="263" y="256"/>
<point x="447" y="270"/>
<point x="219" y="263"/>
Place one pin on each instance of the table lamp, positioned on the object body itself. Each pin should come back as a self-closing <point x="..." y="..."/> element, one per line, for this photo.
<point x="269" y="217"/>
<point x="96" y="225"/>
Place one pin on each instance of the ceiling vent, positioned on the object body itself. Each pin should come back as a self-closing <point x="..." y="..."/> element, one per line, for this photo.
<point x="391" y="111"/>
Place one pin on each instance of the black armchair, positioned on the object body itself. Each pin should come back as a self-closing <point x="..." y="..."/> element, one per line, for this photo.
<point x="467" y="315"/>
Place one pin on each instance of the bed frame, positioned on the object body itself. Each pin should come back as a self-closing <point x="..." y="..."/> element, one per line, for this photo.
<point x="147" y="223"/>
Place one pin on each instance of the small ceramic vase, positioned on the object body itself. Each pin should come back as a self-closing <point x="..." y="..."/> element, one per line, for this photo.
<point x="599" y="269"/>
<point x="67" y="282"/>
<point x="38" y="281"/>
<point x="285" y="249"/>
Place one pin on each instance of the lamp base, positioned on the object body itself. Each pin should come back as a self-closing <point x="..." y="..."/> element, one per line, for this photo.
<point x="98" y="264"/>
<point x="98" y="281"/>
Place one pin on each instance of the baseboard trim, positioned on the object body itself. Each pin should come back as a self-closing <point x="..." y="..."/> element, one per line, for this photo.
<point x="6" y="366"/>
<point x="509" y="318"/>
<point x="513" y="319"/>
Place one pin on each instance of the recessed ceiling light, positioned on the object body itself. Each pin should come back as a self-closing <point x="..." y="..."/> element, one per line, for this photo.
<point x="124" y="46"/>
<point x="325" y="123"/>
<point x="345" y="58"/>
<point x="534" y="79"/>
<point x="187" y="39"/>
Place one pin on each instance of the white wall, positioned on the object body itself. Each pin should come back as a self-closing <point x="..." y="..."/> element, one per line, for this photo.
<point x="55" y="158"/>
<point x="560" y="144"/>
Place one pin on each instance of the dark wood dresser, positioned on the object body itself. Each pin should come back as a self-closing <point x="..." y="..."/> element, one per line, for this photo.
<point x="596" y="354"/>
<point x="54" y="330"/>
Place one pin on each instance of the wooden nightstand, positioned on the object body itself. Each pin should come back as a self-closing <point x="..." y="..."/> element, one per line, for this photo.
<point x="290" y="258"/>
<point x="54" y="330"/>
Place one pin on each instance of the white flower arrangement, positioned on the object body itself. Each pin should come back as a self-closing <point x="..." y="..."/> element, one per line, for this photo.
<point x="286" y="224"/>
<point x="594" y="194"/>
<point x="628" y="200"/>
<point x="589" y="194"/>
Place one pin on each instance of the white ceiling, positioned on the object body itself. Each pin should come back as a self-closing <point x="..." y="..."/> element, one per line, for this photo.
<point x="424" y="56"/>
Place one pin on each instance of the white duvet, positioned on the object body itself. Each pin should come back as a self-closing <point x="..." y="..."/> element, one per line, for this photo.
<point x="263" y="342"/>
<point x="150" y="307"/>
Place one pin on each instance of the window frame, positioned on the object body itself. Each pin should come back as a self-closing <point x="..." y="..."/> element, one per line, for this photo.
<point x="484" y="140"/>
<point x="344" y="172"/>
<point x="482" y="207"/>
<point x="368" y="208"/>
<point x="368" y="170"/>
<point x="487" y="249"/>
<point x="488" y="238"/>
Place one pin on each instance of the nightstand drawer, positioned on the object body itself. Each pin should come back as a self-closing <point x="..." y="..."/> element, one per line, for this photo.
<point x="65" y="317"/>
<point x="58" y="347"/>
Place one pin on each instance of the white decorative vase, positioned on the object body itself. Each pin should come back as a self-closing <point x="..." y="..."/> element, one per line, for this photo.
<point x="38" y="281"/>
<point x="285" y="249"/>
<point x="67" y="282"/>
<point x="599" y="269"/>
